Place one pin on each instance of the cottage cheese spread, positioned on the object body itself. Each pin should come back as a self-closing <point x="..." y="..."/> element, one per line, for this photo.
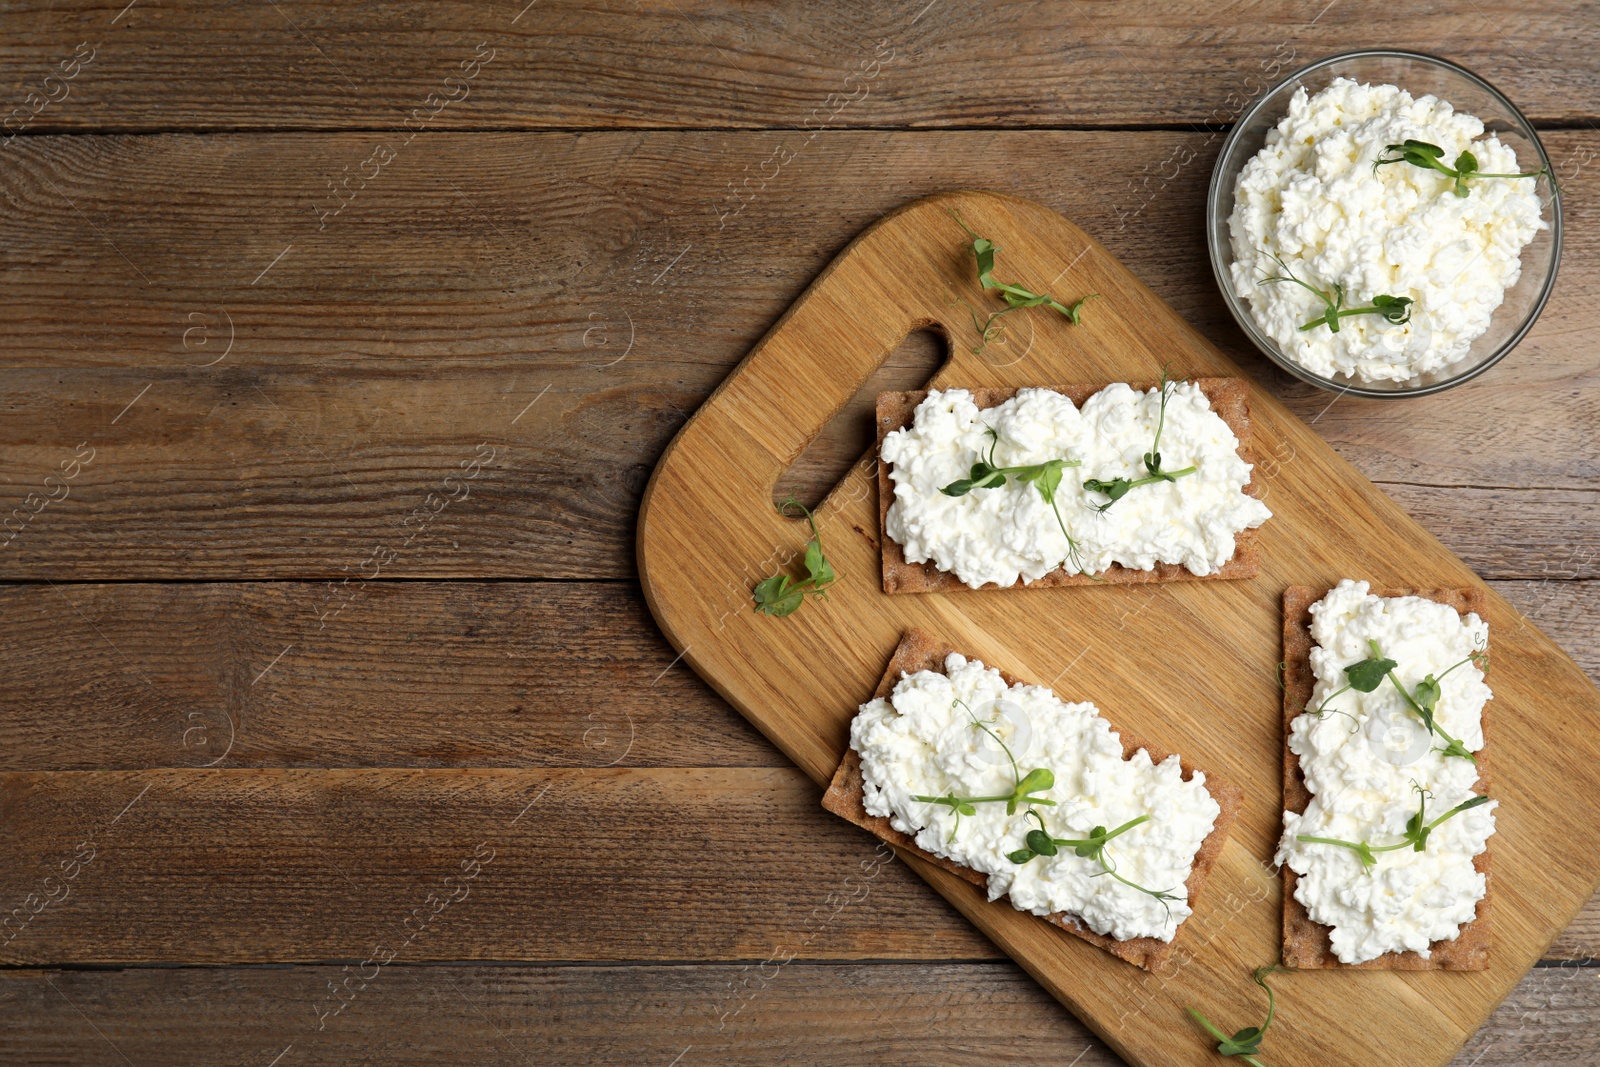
<point x="919" y="741"/>
<point x="1310" y="196"/>
<point x="1361" y="777"/>
<point x="1009" y="532"/>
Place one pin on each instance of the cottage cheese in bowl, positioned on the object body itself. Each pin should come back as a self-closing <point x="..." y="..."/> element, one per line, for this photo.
<point x="1312" y="206"/>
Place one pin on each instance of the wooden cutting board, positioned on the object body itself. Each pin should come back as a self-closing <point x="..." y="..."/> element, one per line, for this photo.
<point x="1188" y="665"/>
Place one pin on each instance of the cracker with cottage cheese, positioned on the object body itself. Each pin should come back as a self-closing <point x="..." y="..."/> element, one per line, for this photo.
<point x="1397" y="915"/>
<point x="1149" y="778"/>
<point x="1200" y="526"/>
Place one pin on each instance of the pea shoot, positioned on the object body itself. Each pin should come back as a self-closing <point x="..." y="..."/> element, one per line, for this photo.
<point x="1040" y="843"/>
<point x="1416" y="835"/>
<point x="1117" y="488"/>
<point x="983" y="250"/>
<point x="1431" y="157"/>
<point x="1396" y="310"/>
<point x="1366" y="675"/>
<point x="1246" y="1044"/>
<point x="780" y="594"/>
<point x="1023" y="786"/>
<point x="1045" y="477"/>
<point x="1424" y="701"/>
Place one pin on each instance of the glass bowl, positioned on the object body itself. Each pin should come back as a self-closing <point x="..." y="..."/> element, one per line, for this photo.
<point x="1418" y="74"/>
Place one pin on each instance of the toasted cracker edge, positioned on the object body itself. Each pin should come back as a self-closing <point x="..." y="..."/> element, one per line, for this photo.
<point x="1306" y="943"/>
<point x="1230" y="399"/>
<point x="920" y="650"/>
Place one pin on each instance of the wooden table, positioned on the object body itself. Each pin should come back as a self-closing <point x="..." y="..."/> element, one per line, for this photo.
<point x="340" y="341"/>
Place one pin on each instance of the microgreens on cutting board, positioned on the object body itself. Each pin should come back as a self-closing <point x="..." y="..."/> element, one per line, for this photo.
<point x="782" y="595"/>
<point x="984" y="250"/>
<point x="1246" y="1043"/>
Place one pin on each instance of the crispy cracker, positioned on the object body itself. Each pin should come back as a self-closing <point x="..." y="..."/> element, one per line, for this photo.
<point x="920" y="650"/>
<point x="1308" y="944"/>
<point x="1230" y="399"/>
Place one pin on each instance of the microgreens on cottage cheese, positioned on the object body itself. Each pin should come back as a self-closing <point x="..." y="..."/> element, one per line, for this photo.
<point x="1431" y="157"/>
<point x="1117" y="488"/>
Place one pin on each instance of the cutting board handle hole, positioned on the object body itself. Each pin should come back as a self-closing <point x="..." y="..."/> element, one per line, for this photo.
<point x="848" y="439"/>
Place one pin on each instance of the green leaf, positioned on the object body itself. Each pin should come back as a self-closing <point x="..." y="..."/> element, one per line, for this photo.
<point x="1041" y="843"/>
<point x="1116" y="488"/>
<point x="1369" y="673"/>
<point x="1049" y="479"/>
<point x="1036" y="781"/>
<point x="1466" y="165"/>
<point x="1396" y="310"/>
<point x="1424" y="148"/>
<point x="777" y="596"/>
<point x="1021" y="855"/>
<point x="983" y="250"/>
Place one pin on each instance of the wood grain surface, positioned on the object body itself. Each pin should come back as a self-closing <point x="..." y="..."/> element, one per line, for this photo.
<point x="622" y="203"/>
<point x="720" y="63"/>
<point x="705" y="534"/>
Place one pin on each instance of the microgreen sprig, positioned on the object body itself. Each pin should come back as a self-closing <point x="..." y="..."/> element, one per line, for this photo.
<point x="1246" y="1044"/>
<point x="1365" y="676"/>
<point x="1117" y="488"/>
<point x="1040" y="843"/>
<point x="1046" y="477"/>
<point x="1431" y="157"/>
<point x="983" y="250"/>
<point x="1023" y="786"/>
<point x="1396" y="310"/>
<point x="1424" y="701"/>
<point x="1416" y="835"/>
<point x="781" y="595"/>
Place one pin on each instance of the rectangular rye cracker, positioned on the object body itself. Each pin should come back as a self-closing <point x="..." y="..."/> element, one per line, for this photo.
<point x="1307" y="944"/>
<point x="1230" y="399"/>
<point x="845" y="797"/>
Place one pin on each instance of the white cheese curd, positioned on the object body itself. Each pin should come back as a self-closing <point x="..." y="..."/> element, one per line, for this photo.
<point x="1362" y="767"/>
<point x="1007" y="533"/>
<point x="920" y="742"/>
<point x="1311" y="197"/>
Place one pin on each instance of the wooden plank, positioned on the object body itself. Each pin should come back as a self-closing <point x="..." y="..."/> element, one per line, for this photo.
<point x="721" y="63"/>
<point x="1526" y="534"/>
<point x="866" y="1013"/>
<point x="312" y="440"/>
<point x="393" y="674"/>
<point x="698" y="536"/>
<point x="325" y="860"/>
<point x="598" y="864"/>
